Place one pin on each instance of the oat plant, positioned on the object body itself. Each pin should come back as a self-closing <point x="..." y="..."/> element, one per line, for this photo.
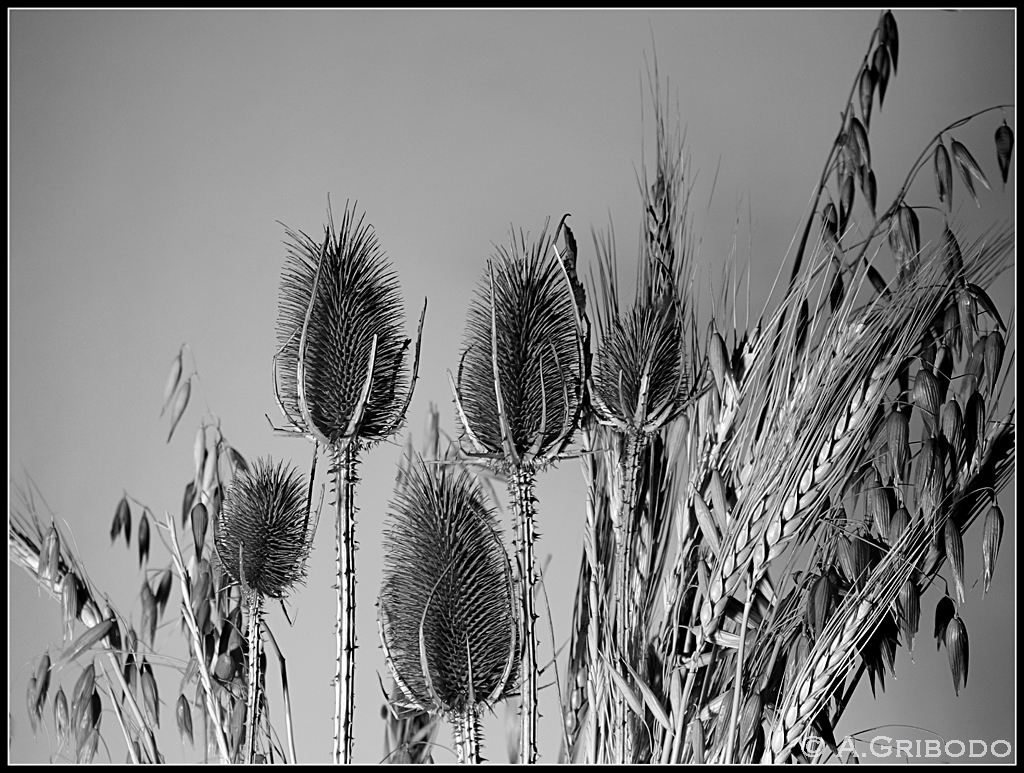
<point x="519" y="394"/>
<point x="342" y="379"/>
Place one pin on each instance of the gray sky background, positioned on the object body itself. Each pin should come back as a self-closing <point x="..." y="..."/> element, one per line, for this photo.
<point x="152" y="155"/>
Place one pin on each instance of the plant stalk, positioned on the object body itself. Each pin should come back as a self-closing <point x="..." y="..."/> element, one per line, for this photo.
<point x="252" y="710"/>
<point x="344" y="473"/>
<point x="520" y="484"/>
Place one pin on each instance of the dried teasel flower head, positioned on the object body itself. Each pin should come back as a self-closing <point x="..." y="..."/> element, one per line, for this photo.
<point x="341" y="373"/>
<point x="447" y="611"/>
<point x="264" y="530"/>
<point x="519" y="389"/>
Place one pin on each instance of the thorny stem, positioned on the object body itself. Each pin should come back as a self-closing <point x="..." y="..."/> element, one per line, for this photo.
<point x="467" y="737"/>
<point x="344" y="473"/>
<point x="629" y="469"/>
<point x="252" y="710"/>
<point x="520" y="485"/>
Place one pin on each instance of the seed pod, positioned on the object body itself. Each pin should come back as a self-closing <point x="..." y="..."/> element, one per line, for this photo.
<point x="143" y="539"/>
<point x="869" y="188"/>
<point x="860" y="136"/>
<point x="819" y="605"/>
<point x="719" y="360"/>
<point x="1004" y="148"/>
<point x="180" y="404"/>
<point x="955" y="553"/>
<point x="82" y="693"/>
<point x="845" y="202"/>
<point x="959" y="652"/>
<point x="798" y="650"/>
<point x="878" y="502"/>
<point x="880" y="64"/>
<point x="952" y="422"/>
<point x="898" y="525"/>
<point x="32" y="703"/>
<point x="750" y="718"/>
<point x="187" y="500"/>
<point x="993" y="357"/>
<point x="200" y="518"/>
<point x="42" y="684"/>
<point x="898" y="439"/>
<point x="968" y="168"/>
<point x="844" y="552"/>
<point x="944" y="176"/>
<point x="173" y="379"/>
<point x="183" y="716"/>
<point x="974" y="426"/>
<point x="163" y="590"/>
<point x="199" y="452"/>
<point x="890" y="36"/>
<point x="991" y="541"/>
<point x="974" y="372"/>
<point x="115" y="527"/>
<point x="867" y="93"/>
<point x="69" y="603"/>
<point x="148" y="612"/>
<point x="210" y="472"/>
<point x="49" y="556"/>
<point x="909" y="603"/>
<point x="150" y="694"/>
<point x="60" y="716"/>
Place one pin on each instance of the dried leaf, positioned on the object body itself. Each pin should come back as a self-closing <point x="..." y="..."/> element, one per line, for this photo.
<point x="199" y="451"/>
<point x="860" y="136"/>
<point x="991" y="541"/>
<point x="42" y="684"/>
<point x="968" y="167"/>
<point x="82" y="693"/>
<point x="30" y="700"/>
<point x="867" y="93"/>
<point x="959" y="652"/>
<point x="69" y="603"/>
<point x="830" y="223"/>
<point x="944" y="612"/>
<point x="49" y="556"/>
<point x="898" y="439"/>
<point x="943" y="176"/>
<point x="1004" y="149"/>
<point x="237" y="460"/>
<point x="143" y="539"/>
<point x="173" y="379"/>
<point x="115" y="528"/>
<point x="180" y="404"/>
<point x="845" y="202"/>
<point x="909" y="603"/>
<point x="148" y="611"/>
<point x="880" y="64"/>
<point x="909" y="230"/>
<point x="898" y="525"/>
<point x="186" y="502"/>
<point x="819" y="605"/>
<point x="985" y="302"/>
<point x="995" y="346"/>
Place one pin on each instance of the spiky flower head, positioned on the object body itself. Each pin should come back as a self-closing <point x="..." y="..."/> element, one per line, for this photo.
<point x="263" y="528"/>
<point x="341" y="372"/>
<point x="520" y="384"/>
<point x="447" y="613"/>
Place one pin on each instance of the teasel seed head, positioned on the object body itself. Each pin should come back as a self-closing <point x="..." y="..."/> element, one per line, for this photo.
<point x="341" y="372"/>
<point x="447" y="612"/>
<point x="263" y="529"/>
<point x="520" y="385"/>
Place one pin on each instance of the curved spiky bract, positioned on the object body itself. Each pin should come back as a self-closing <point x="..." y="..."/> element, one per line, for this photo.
<point x="523" y="318"/>
<point x="351" y="328"/>
<point x="446" y="598"/>
<point x="263" y="520"/>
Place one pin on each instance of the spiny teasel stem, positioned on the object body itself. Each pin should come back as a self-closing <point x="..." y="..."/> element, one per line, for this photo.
<point x="629" y="463"/>
<point x="467" y="737"/>
<point x="343" y="472"/>
<point x="520" y="486"/>
<point x="252" y="709"/>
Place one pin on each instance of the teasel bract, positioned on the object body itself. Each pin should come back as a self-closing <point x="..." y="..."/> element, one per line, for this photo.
<point x="263" y="539"/>
<point x="447" y="615"/>
<point x="520" y="394"/>
<point x="342" y="379"/>
<point x="641" y="378"/>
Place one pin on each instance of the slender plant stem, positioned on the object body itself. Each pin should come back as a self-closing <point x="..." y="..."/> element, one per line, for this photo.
<point x="252" y="710"/>
<point x="628" y="470"/>
<point x="344" y="472"/>
<point x="520" y="485"/>
<point x="284" y="688"/>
